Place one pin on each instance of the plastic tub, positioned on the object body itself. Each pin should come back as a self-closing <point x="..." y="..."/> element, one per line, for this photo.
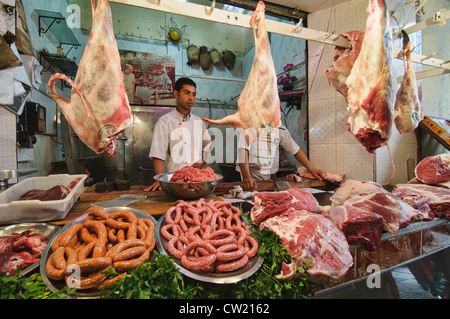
<point x="14" y="211"/>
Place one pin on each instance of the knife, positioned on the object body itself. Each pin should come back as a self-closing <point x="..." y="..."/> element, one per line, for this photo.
<point x="123" y="200"/>
<point x="282" y="185"/>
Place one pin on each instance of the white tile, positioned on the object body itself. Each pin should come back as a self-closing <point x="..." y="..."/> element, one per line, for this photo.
<point x="322" y="122"/>
<point x="401" y="153"/>
<point x="8" y="157"/>
<point x="355" y="162"/>
<point x="323" y="156"/>
<point x="343" y="136"/>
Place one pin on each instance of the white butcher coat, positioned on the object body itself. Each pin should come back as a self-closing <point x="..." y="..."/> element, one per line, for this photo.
<point x="263" y="153"/>
<point x="179" y="143"/>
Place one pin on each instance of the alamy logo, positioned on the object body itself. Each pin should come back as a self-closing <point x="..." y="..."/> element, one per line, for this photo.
<point x="262" y="144"/>
<point x="74" y="18"/>
<point x="374" y="279"/>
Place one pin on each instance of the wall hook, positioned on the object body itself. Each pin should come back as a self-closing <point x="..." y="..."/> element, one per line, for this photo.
<point x="209" y="10"/>
<point x="298" y="25"/>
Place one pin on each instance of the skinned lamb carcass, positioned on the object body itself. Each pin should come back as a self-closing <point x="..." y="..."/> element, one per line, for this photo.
<point x="374" y="198"/>
<point x="270" y="204"/>
<point x="98" y="110"/>
<point x="429" y="199"/>
<point x="408" y="109"/>
<point x="359" y="226"/>
<point x="344" y="58"/>
<point x="314" y="239"/>
<point x="259" y="103"/>
<point x="371" y="94"/>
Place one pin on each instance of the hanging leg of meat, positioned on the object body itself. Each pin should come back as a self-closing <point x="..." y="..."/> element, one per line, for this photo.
<point x="98" y="110"/>
<point x="344" y="58"/>
<point x="259" y="103"/>
<point x="408" y="110"/>
<point x="371" y="94"/>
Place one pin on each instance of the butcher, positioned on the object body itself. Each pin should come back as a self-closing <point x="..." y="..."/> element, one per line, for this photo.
<point x="129" y="81"/>
<point x="180" y="138"/>
<point x="258" y="158"/>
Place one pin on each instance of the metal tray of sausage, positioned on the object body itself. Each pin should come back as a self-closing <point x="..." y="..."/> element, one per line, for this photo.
<point x="217" y="278"/>
<point x="55" y="285"/>
<point x="44" y="229"/>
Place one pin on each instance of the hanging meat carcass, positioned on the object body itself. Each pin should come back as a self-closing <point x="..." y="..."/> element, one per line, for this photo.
<point x="98" y="110"/>
<point x="344" y="58"/>
<point x="408" y="110"/>
<point x="259" y="103"/>
<point x="371" y="94"/>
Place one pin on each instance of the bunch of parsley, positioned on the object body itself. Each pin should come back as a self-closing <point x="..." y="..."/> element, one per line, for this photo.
<point x="160" y="279"/>
<point x="28" y="287"/>
<point x="156" y="279"/>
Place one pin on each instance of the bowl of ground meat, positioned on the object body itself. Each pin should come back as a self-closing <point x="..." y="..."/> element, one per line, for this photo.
<point x="189" y="182"/>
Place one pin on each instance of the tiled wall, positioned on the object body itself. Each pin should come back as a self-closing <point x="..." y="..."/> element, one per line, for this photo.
<point x="332" y="147"/>
<point x="7" y="140"/>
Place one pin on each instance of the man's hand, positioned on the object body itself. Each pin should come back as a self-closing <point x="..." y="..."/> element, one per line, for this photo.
<point x="318" y="173"/>
<point x="248" y="184"/>
<point x="154" y="187"/>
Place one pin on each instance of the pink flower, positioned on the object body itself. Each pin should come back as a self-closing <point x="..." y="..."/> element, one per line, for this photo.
<point x="288" y="67"/>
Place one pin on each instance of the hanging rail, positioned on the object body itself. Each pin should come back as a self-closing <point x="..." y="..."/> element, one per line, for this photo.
<point x="232" y="18"/>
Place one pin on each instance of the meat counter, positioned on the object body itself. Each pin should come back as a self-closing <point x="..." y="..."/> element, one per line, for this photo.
<point x="417" y="246"/>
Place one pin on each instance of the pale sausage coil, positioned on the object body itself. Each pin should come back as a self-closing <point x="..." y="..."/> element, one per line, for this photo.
<point x="208" y="236"/>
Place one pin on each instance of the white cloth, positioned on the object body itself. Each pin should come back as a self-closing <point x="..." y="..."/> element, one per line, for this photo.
<point x="263" y="153"/>
<point x="179" y="143"/>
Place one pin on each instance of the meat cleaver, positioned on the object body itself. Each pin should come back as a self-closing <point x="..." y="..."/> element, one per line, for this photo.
<point x="123" y="200"/>
<point x="282" y="185"/>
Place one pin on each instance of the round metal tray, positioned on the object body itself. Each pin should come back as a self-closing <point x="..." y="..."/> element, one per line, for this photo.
<point x="55" y="285"/>
<point x="44" y="229"/>
<point x="218" y="278"/>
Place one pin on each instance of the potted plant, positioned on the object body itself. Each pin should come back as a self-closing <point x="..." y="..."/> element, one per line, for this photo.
<point x="286" y="80"/>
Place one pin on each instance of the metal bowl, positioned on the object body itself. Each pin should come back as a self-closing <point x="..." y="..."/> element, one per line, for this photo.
<point x="190" y="190"/>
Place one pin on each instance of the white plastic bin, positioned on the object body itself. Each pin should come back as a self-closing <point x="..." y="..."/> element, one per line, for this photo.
<point x="13" y="211"/>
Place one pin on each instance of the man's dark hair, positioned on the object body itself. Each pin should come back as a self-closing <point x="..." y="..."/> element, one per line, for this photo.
<point x="181" y="81"/>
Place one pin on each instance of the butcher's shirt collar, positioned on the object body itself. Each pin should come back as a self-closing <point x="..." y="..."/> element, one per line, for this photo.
<point x="183" y="117"/>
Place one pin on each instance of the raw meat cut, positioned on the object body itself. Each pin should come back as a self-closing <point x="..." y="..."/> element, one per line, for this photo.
<point x="270" y="204"/>
<point x="434" y="169"/>
<point x="360" y="226"/>
<point x="374" y="198"/>
<point x="57" y="192"/>
<point x="20" y="249"/>
<point x="192" y="174"/>
<point x="98" y="110"/>
<point x="24" y="241"/>
<point x="371" y="94"/>
<point x="10" y="261"/>
<point x="408" y="110"/>
<point x="330" y="177"/>
<point x="344" y="58"/>
<point x="315" y="238"/>
<point x="429" y="199"/>
<point x="259" y="103"/>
